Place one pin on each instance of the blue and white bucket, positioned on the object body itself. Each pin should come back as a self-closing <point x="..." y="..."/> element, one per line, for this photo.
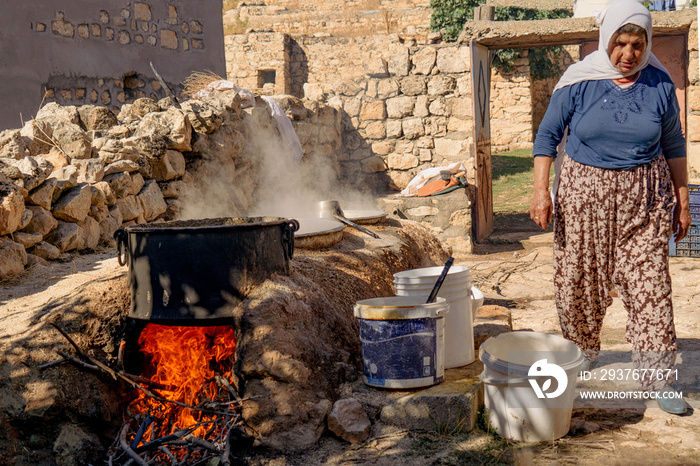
<point x="403" y="341"/>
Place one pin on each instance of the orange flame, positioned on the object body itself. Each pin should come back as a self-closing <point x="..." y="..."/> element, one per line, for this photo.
<point x="186" y="360"/>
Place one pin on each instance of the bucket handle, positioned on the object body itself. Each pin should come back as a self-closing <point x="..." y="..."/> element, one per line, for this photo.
<point x="290" y="227"/>
<point x="121" y="237"/>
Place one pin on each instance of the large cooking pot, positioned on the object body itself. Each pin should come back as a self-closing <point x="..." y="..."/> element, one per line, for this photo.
<point x="201" y="269"/>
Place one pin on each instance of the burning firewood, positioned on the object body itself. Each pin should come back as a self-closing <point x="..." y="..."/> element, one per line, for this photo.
<point x="190" y="412"/>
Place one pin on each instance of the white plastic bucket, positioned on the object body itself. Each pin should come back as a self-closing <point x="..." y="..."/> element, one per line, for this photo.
<point x="456" y="289"/>
<point x="513" y="367"/>
<point x="403" y="341"/>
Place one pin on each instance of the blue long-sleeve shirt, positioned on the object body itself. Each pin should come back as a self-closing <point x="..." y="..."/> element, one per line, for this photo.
<point x="611" y="127"/>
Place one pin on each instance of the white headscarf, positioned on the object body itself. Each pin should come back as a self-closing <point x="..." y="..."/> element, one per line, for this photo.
<point x="597" y="65"/>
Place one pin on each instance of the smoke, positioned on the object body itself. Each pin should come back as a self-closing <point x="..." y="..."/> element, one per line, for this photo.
<point x="257" y="176"/>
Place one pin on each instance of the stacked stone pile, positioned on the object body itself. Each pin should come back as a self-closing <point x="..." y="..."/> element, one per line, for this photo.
<point x="72" y="176"/>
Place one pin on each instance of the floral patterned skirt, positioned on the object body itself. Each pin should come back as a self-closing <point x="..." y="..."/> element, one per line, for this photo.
<point x="612" y="228"/>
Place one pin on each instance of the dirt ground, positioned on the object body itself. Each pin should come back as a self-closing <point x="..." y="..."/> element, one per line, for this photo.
<point x="514" y="271"/>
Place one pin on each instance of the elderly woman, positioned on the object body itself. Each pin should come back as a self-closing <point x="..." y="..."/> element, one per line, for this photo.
<point x="623" y="191"/>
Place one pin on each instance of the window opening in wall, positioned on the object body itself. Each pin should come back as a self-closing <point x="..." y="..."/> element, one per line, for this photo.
<point x="266" y="77"/>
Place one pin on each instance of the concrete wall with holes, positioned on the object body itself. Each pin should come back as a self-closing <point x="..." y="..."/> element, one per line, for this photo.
<point x="79" y="52"/>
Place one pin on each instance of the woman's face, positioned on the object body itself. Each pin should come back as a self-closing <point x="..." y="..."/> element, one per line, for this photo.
<point x="626" y="50"/>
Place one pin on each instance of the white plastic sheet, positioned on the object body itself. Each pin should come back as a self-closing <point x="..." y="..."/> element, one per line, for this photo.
<point x="428" y="175"/>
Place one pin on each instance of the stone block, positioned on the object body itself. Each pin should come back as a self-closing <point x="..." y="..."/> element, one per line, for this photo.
<point x="89" y="170"/>
<point x="13" y="258"/>
<point x="421" y="107"/>
<point x="168" y="39"/>
<point x="314" y="91"/>
<point x="120" y="183"/>
<point x="74" y="205"/>
<point x="373" y="164"/>
<point x="460" y="125"/>
<point x="393" y="129"/>
<point x="36" y="135"/>
<point x="373" y="110"/>
<point x="66" y="237"/>
<point x="400" y="107"/>
<point x="441" y="85"/>
<point x="73" y="141"/>
<point x="142" y="12"/>
<point x="89" y="232"/>
<point x="377" y="68"/>
<point x="42" y="221"/>
<point x="11" y="209"/>
<point x="402" y="161"/>
<point x="27" y="239"/>
<point x="151" y="198"/>
<point x="129" y="207"/>
<point x="384" y="147"/>
<point x="349" y="421"/>
<point x="462" y="107"/>
<point x="454" y="59"/>
<point x="439" y="107"/>
<point x="424" y="60"/>
<point x="413" y="85"/>
<point x="400" y="63"/>
<point x="169" y="167"/>
<point x="413" y="128"/>
<point x="121" y="166"/>
<point x="34" y="171"/>
<point x="451" y="406"/>
<point x="375" y="130"/>
<point x="387" y="88"/>
<point x="451" y="148"/>
<point x="46" y="251"/>
<point x="43" y="194"/>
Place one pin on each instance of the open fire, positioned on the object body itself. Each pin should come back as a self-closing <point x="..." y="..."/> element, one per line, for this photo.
<point x="190" y="409"/>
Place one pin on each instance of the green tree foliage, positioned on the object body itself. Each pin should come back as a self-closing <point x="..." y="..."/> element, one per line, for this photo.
<point x="452" y="14"/>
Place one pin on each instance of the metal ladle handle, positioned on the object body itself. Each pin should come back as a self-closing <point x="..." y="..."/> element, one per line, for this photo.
<point x="355" y="225"/>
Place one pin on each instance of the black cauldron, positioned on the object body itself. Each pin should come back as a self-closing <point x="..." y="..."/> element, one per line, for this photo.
<point x="201" y="269"/>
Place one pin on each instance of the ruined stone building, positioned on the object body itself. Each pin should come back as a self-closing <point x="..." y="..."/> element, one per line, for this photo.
<point x="410" y="100"/>
<point x="79" y="52"/>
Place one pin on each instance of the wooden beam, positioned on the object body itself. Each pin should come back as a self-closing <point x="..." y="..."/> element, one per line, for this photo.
<point x="548" y="32"/>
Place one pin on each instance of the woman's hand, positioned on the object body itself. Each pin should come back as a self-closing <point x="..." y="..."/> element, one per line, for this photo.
<point x="681" y="214"/>
<point x="541" y="208"/>
<point x="541" y="205"/>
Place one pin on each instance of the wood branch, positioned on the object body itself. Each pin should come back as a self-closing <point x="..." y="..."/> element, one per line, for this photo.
<point x="226" y="456"/>
<point x="120" y="356"/>
<point x="163" y="440"/>
<point x="222" y="381"/>
<point x="77" y="362"/>
<point x="204" y="444"/>
<point x="127" y="449"/>
<point x="116" y="375"/>
<point x="52" y="363"/>
<point x="173" y="460"/>
<point x="142" y="430"/>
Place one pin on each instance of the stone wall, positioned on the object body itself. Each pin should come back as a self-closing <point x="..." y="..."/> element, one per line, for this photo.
<point x="72" y="176"/>
<point x="351" y="18"/>
<point x="404" y="107"/>
<point x="693" y="100"/>
<point x="79" y="52"/>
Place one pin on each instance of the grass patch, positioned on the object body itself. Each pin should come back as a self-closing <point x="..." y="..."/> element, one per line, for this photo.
<point x="512" y="177"/>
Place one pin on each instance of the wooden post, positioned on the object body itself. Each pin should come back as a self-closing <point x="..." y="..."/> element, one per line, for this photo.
<point x="484" y="13"/>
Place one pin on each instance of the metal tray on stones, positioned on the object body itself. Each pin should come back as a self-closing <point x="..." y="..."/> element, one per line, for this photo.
<point x="365" y="216"/>
<point x="317" y="233"/>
